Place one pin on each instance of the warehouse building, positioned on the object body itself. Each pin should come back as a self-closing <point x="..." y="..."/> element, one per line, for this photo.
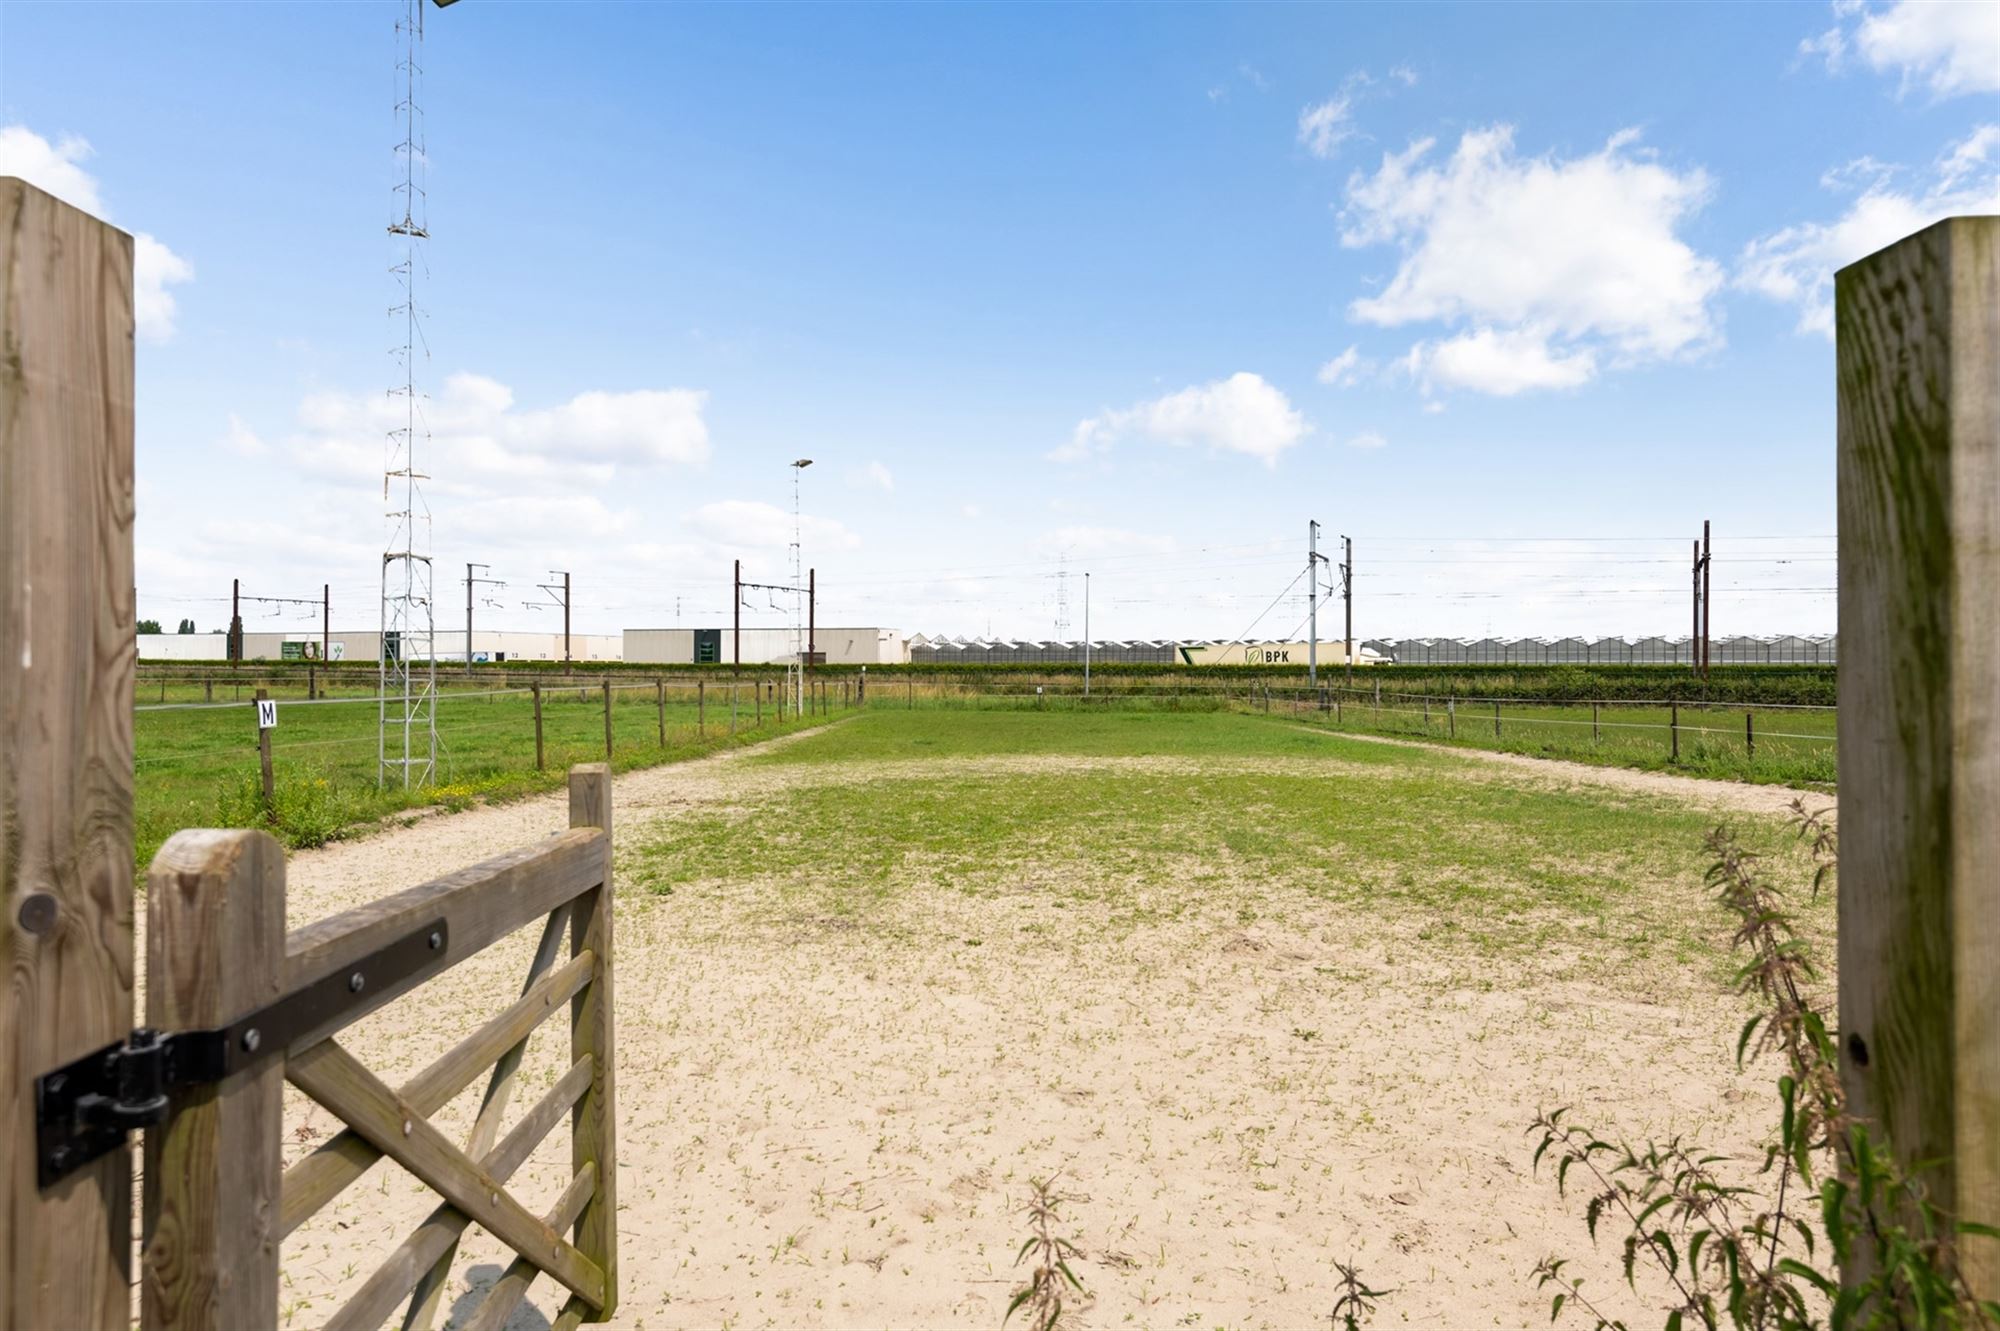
<point x="298" y="645"/>
<point x="764" y="646"/>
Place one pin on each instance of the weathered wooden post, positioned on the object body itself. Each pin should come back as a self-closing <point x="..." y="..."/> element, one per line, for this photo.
<point x="1749" y="739"/>
<point x="700" y="707"/>
<point x="1674" y="728"/>
<point x="607" y="718"/>
<point x="215" y="949"/>
<point x="1918" y="376"/>
<point x="67" y="663"/>
<point x="660" y="708"/>
<point x="537" y="686"/>
<point x="593" y="1137"/>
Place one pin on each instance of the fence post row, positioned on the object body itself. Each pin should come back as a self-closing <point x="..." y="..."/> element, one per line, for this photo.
<point x="66" y="697"/>
<point x="1917" y="373"/>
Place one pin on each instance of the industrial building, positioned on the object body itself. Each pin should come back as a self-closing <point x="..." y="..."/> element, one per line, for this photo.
<point x="487" y="646"/>
<point x="1777" y="649"/>
<point x="764" y="646"/>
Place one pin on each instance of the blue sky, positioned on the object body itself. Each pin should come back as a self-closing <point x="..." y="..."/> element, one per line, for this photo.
<point x="1135" y="290"/>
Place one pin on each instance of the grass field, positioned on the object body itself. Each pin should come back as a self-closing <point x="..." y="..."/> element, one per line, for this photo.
<point x="1264" y="998"/>
<point x="198" y="765"/>
<point x="197" y="755"/>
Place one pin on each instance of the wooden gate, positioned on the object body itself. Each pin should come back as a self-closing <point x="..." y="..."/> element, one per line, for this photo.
<point x="235" y="1006"/>
<point x="219" y="963"/>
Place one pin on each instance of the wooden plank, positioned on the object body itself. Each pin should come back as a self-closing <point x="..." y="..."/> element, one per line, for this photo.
<point x="480" y="904"/>
<point x="67" y="662"/>
<point x="332" y="1076"/>
<point x="486" y="1125"/>
<point x="392" y="1282"/>
<point x="1918" y="375"/>
<point x="215" y="941"/>
<point x="321" y="1176"/>
<point x="593" y="1131"/>
<point x="506" y="1293"/>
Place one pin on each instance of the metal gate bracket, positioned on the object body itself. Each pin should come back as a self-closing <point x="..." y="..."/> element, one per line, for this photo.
<point x="85" y="1109"/>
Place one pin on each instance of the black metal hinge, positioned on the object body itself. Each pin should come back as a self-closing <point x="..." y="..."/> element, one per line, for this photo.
<point x="84" y="1109"/>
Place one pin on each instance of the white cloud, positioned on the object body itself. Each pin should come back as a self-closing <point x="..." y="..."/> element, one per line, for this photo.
<point x="1327" y="125"/>
<point x="477" y="437"/>
<point x="1367" y="439"/>
<point x="1404" y="74"/>
<point x="1548" y="265"/>
<point x="242" y="440"/>
<point x="58" y="168"/>
<point x="1796" y="265"/>
<point x="750" y="524"/>
<point x="970" y="510"/>
<point x="1240" y="414"/>
<point x="1952" y="46"/>
<point x="1346" y="369"/>
<point x="878" y="475"/>
<point x="1501" y="362"/>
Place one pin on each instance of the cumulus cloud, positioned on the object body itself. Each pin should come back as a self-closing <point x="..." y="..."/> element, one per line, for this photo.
<point x="1795" y="265"/>
<point x="1548" y="267"/>
<point x="751" y="524"/>
<point x="877" y="475"/>
<point x="1346" y="369"/>
<point x="1367" y="439"/>
<point x="479" y="436"/>
<point x="1951" y="48"/>
<point x="57" y="167"/>
<point x="1240" y="414"/>
<point x="1501" y="362"/>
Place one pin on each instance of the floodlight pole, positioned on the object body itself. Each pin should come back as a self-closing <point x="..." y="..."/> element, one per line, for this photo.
<point x="1312" y="603"/>
<point x="1347" y="599"/>
<point x="1086" y="634"/>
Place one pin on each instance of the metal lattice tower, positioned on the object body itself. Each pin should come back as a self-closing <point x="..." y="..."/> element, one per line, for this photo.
<point x="406" y="746"/>
<point x="795" y="673"/>
<point x="1062" y="597"/>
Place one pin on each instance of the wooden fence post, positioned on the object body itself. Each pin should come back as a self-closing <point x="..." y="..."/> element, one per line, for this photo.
<point x="732" y="711"/>
<point x="1749" y="739"/>
<point x="215" y="949"/>
<point x="66" y="694"/>
<point x="700" y="708"/>
<point x="607" y="718"/>
<point x="1596" y="731"/>
<point x="264" y="755"/>
<point x="1674" y="727"/>
<point x="537" y="686"/>
<point x="593" y="1136"/>
<point x="1451" y="717"/>
<point x="660" y="708"/>
<point x="1917" y="369"/>
<point x="1496" y="718"/>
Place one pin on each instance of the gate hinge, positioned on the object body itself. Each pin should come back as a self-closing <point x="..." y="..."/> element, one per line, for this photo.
<point x="84" y="1109"/>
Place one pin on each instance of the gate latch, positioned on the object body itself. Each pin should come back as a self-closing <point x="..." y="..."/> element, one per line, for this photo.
<point x="84" y="1109"/>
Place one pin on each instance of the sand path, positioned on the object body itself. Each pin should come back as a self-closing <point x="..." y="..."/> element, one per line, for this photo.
<point x="823" y="1125"/>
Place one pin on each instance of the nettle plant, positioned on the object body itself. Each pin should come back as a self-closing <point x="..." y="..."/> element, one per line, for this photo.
<point x="1769" y="1257"/>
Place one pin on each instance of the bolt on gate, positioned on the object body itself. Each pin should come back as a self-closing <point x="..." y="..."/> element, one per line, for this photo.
<point x="235" y="1006"/>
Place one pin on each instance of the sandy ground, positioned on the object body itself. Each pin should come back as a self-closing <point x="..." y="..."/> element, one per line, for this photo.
<point x="1560" y="772"/>
<point x="823" y="1126"/>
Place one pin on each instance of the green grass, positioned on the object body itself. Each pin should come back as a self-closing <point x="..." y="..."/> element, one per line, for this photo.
<point x="199" y="767"/>
<point x="1249" y="812"/>
<point x="1792" y="746"/>
<point x="997" y="730"/>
